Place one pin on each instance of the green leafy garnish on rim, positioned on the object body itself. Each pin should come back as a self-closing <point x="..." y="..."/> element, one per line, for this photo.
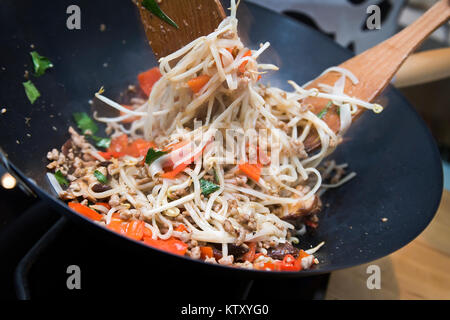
<point x="152" y="155"/>
<point x="61" y="179"/>
<point x="100" y="177"/>
<point x="153" y="7"/>
<point x="40" y="63"/>
<point x="31" y="91"/>
<point x="208" y="187"/>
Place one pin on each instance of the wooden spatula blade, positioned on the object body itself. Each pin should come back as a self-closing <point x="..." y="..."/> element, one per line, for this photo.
<point x="194" y="18"/>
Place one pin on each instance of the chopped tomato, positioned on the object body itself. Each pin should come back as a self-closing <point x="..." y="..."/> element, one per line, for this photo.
<point x="85" y="211"/>
<point x="196" y="84"/>
<point x="206" y="252"/>
<point x="171" y="245"/>
<point x="253" y="171"/>
<point x="302" y="254"/>
<point x="241" y="68"/>
<point x="118" y="226"/>
<point x="147" y="232"/>
<point x="148" y="78"/>
<point x="289" y="263"/>
<point x="131" y="119"/>
<point x="119" y="144"/>
<point x="250" y="254"/>
<point x="139" y="148"/>
<point x="135" y="230"/>
<point x="173" y="173"/>
<point x="181" y="228"/>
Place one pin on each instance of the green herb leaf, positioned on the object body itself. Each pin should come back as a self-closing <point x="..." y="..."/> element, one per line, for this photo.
<point x="152" y="155"/>
<point x="153" y="7"/>
<point x="85" y="123"/>
<point x="100" y="177"/>
<point x="324" y="111"/>
<point x="61" y="179"/>
<point x="40" y="63"/>
<point x="101" y="142"/>
<point x="208" y="187"/>
<point x="31" y="91"/>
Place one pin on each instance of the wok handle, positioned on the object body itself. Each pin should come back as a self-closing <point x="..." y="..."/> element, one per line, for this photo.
<point x="424" y="67"/>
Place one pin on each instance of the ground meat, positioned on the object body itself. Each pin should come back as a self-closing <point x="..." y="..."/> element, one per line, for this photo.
<point x="245" y="265"/>
<point x="195" y="253"/>
<point x="281" y="250"/>
<point x="210" y="260"/>
<point x="227" y="261"/>
<point x="298" y="149"/>
<point x="229" y="228"/>
<point x="65" y="149"/>
<point x="114" y="201"/>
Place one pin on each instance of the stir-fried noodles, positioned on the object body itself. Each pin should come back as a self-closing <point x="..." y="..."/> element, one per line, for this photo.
<point x="213" y="164"/>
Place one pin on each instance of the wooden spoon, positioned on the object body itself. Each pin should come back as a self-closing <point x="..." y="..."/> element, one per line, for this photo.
<point x="374" y="68"/>
<point x="194" y="18"/>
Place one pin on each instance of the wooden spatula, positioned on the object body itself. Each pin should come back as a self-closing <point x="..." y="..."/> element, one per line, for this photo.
<point x="375" y="67"/>
<point x="194" y="18"/>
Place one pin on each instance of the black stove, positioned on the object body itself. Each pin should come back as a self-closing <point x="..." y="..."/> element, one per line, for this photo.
<point x="40" y="251"/>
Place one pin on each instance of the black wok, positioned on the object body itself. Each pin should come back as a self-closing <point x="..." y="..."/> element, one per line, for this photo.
<point x="398" y="165"/>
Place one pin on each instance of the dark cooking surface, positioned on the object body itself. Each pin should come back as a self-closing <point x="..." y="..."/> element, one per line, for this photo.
<point x="114" y="271"/>
<point x="398" y="166"/>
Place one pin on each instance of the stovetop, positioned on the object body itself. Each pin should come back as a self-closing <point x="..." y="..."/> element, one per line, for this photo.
<point x="40" y="251"/>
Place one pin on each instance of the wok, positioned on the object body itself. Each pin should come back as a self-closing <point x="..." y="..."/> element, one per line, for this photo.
<point x="398" y="164"/>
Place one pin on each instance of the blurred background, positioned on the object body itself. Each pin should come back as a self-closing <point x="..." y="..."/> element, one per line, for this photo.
<point x="429" y="255"/>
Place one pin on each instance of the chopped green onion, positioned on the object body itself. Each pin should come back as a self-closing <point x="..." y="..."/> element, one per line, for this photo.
<point x="85" y="123"/>
<point x="31" y="91"/>
<point x="153" y="7"/>
<point x="100" y="177"/>
<point x="208" y="187"/>
<point x="40" y="63"/>
<point x="152" y="155"/>
<point x="61" y="179"/>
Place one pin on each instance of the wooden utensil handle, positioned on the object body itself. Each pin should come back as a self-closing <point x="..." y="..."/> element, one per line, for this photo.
<point x="376" y="67"/>
<point x="424" y="67"/>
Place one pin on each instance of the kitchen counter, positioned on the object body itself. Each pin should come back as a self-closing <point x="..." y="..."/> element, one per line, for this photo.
<point x="420" y="270"/>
